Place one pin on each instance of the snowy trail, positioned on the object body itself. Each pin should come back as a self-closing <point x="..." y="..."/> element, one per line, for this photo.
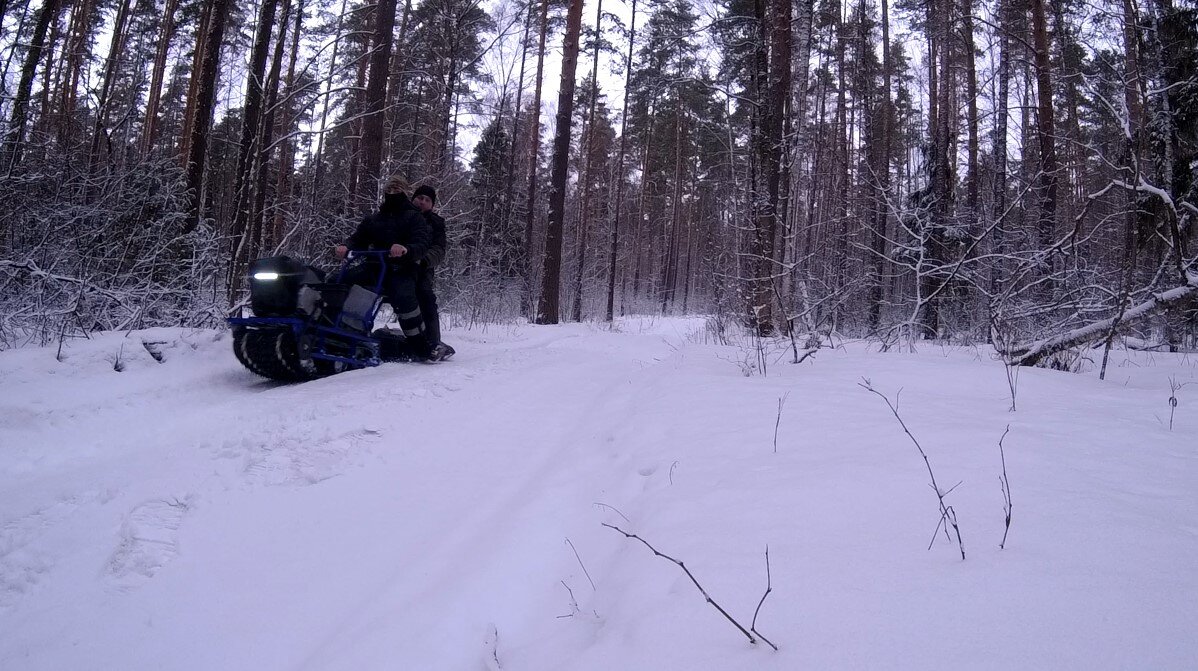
<point x="185" y="515"/>
<point x="511" y="508"/>
<point x="177" y="457"/>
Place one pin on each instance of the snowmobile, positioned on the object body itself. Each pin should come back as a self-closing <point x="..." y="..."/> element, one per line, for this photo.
<point x="305" y="328"/>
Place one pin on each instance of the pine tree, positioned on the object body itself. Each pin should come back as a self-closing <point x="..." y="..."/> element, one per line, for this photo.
<point x="548" y="307"/>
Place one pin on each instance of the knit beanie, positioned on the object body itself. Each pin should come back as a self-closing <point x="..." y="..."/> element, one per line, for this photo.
<point x="426" y="190"/>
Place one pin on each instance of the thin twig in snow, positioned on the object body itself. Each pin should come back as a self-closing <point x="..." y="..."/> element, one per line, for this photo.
<point x="778" y="421"/>
<point x="948" y="516"/>
<point x="1174" y="387"/>
<point x="690" y="575"/>
<point x="1006" y="490"/>
<point x="584" y="568"/>
<point x="616" y="510"/>
<point x="936" y="531"/>
<point x="769" y="587"/>
<point x="573" y="601"/>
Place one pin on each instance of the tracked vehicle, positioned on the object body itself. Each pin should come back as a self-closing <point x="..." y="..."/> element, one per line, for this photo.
<point x="304" y="327"/>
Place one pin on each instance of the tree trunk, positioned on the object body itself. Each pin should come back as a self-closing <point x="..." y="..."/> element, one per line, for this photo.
<point x="75" y="57"/>
<point x="972" y="175"/>
<point x="204" y="104"/>
<point x="773" y="86"/>
<point x="398" y="79"/>
<point x="54" y="73"/>
<point x="999" y="143"/>
<point x="1134" y="104"/>
<point x="548" y="305"/>
<point x="1046" y="181"/>
<point x="448" y="94"/>
<point x="639" y="236"/>
<point x="376" y="98"/>
<point x="670" y="239"/>
<point x="836" y="205"/>
<point x="265" y="143"/>
<point x="1072" y="160"/>
<point x="798" y="148"/>
<point x="1132" y="87"/>
<point x="110" y="70"/>
<point x="251" y="127"/>
<point x="20" y="112"/>
<point x="942" y="181"/>
<point x="509" y="175"/>
<point x="318" y="155"/>
<point x="934" y="46"/>
<point x="1033" y="353"/>
<point x="584" y="183"/>
<point x="149" y="132"/>
<point x="286" y="149"/>
<point x="193" y="86"/>
<point x="354" y="107"/>
<point x="534" y="146"/>
<point x="882" y="194"/>
<point x="615" y="229"/>
<point x="784" y="49"/>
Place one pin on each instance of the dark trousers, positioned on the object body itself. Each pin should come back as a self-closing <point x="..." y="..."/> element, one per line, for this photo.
<point x="427" y="297"/>
<point x="399" y="289"/>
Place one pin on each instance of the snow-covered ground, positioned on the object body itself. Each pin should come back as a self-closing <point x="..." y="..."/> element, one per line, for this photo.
<point x="184" y="514"/>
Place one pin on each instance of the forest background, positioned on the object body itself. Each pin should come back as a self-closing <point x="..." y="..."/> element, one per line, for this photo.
<point x="1019" y="172"/>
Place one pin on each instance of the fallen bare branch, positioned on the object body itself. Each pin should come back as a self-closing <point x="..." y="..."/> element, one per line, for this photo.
<point x="1033" y="353"/>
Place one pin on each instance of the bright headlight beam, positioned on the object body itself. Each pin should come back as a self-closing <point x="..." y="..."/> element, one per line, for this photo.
<point x="266" y="276"/>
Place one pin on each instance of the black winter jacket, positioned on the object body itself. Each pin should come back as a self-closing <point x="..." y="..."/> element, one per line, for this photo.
<point x="397" y="222"/>
<point x="436" y="251"/>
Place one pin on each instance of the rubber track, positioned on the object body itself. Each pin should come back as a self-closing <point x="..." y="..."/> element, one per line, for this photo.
<point x="271" y="353"/>
<point x="241" y="338"/>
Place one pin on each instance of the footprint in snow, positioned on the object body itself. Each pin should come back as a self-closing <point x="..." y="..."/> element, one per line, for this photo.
<point x="148" y="541"/>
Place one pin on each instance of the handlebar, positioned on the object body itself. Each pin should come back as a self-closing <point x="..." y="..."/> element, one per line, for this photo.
<point x="353" y="255"/>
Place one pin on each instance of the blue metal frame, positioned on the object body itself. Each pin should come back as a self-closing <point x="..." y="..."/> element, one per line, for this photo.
<point x="298" y="326"/>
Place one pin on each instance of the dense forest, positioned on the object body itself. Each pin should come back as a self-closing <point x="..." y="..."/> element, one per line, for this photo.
<point x="1021" y="172"/>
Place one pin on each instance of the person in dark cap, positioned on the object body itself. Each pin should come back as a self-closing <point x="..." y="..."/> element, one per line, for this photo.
<point x="398" y="228"/>
<point x="425" y="199"/>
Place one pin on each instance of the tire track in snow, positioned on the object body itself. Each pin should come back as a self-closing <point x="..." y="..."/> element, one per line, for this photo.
<point x="306" y="461"/>
<point x="287" y="435"/>
<point x="504" y="504"/>
<point x="295" y="448"/>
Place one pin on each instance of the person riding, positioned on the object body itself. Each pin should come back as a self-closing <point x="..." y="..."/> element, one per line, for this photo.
<point x="400" y="229"/>
<point x="425" y="199"/>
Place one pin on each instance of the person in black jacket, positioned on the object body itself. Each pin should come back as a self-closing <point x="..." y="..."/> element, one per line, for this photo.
<point x="425" y="198"/>
<point x="398" y="227"/>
